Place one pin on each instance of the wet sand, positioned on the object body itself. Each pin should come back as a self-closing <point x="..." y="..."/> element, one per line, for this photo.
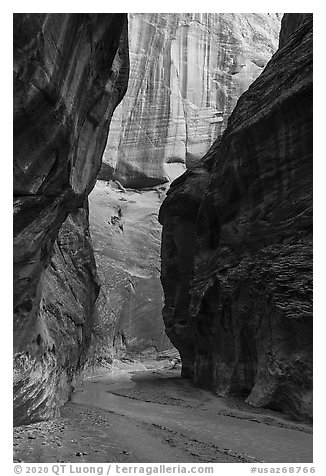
<point x="147" y="413"/>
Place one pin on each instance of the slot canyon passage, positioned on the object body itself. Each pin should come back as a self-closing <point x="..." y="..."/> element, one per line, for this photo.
<point x="163" y="238"/>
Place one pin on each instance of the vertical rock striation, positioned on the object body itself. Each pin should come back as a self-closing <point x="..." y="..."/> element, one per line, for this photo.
<point x="237" y="242"/>
<point x="187" y="72"/>
<point x="184" y="68"/>
<point x="70" y="72"/>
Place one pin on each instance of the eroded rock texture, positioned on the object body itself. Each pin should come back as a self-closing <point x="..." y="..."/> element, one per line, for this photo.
<point x="183" y="68"/>
<point x="237" y="274"/>
<point x="70" y="72"/>
<point x="187" y="72"/>
<point x="126" y="237"/>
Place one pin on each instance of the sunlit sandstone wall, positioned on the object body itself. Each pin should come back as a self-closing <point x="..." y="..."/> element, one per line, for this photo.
<point x="187" y="73"/>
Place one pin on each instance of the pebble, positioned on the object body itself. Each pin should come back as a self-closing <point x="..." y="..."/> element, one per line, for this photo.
<point x="81" y="453"/>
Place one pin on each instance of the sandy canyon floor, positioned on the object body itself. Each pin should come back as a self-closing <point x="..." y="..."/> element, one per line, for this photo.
<point x="143" y="412"/>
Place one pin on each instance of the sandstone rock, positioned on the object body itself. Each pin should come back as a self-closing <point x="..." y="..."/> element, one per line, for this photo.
<point x="126" y="240"/>
<point x="178" y="216"/>
<point x="180" y="66"/>
<point x="248" y="288"/>
<point x="70" y="72"/>
<point x="187" y="72"/>
<point x="289" y="25"/>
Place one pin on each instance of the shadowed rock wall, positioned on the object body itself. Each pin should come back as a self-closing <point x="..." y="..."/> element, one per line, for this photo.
<point x="187" y="72"/>
<point x="70" y="72"/>
<point x="237" y="242"/>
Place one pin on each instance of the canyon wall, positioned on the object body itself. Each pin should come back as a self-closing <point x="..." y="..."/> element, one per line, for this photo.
<point x="187" y="72"/>
<point x="237" y="242"/>
<point x="70" y="72"/>
<point x="126" y="237"/>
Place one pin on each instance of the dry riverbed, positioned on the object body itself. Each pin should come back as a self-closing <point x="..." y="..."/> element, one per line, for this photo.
<point x="144" y="412"/>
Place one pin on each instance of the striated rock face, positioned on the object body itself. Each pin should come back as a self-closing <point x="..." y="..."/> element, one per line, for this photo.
<point x="187" y="72"/>
<point x="70" y="72"/>
<point x="237" y="243"/>
<point x="126" y="240"/>
<point x="184" y="68"/>
<point x="290" y="23"/>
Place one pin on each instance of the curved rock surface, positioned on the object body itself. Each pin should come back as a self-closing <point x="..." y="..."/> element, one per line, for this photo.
<point x="126" y="240"/>
<point x="237" y="274"/>
<point x="187" y="72"/>
<point x="70" y="72"/>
